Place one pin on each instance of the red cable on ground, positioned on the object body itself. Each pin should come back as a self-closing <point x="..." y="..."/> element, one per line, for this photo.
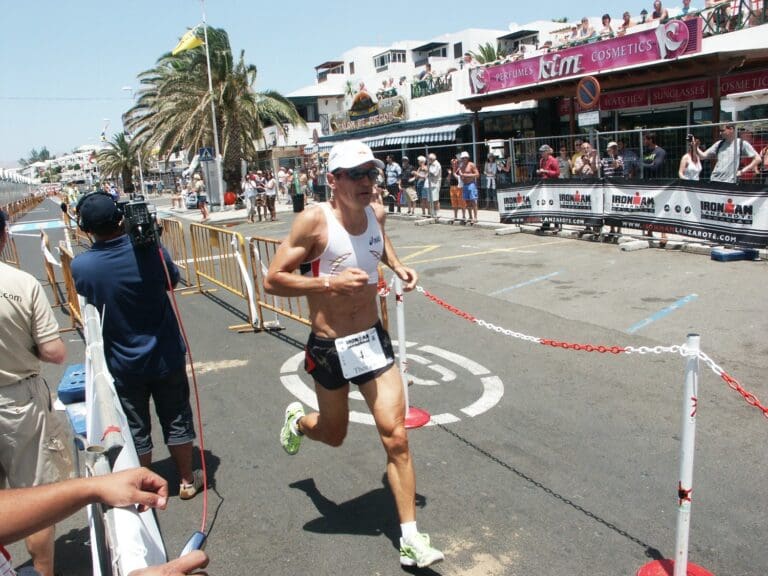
<point x="198" y="415"/>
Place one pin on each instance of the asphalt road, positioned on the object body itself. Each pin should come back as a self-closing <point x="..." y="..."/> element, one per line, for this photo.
<point x="546" y="461"/>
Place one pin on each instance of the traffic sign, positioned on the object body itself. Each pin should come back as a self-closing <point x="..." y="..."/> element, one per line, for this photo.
<point x="206" y="154"/>
<point x="588" y="92"/>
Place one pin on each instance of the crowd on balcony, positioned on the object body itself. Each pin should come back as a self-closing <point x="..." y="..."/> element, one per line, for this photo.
<point x="719" y="17"/>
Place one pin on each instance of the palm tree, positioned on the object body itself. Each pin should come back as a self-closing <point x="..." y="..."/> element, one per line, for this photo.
<point x="173" y="109"/>
<point x="118" y="159"/>
<point x="487" y="53"/>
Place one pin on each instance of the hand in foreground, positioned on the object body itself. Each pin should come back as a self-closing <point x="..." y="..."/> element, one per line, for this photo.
<point x="136" y="486"/>
<point x="179" y="567"/>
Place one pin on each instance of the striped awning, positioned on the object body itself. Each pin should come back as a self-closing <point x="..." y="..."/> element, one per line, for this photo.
<point x="375" y="141"/>
<point x="445" y="132"/>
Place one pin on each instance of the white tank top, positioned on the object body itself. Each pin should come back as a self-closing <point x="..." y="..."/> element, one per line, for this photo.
<point x="344" y="250"/>
<point x="692" y="170"/>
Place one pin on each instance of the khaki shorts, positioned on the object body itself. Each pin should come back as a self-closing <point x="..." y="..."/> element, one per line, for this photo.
<point x="41" y="448"/>
<point x="413" y="196"/>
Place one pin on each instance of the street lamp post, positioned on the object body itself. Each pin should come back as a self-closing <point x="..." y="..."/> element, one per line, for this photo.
<point x="138" y="148"/>
<point x="213" y="110"/>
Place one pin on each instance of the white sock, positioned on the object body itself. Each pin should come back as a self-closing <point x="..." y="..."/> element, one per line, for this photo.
<point x="408" y="529"/>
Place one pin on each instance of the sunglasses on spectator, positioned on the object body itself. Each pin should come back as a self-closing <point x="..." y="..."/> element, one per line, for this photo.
<point x="360" y="173"/>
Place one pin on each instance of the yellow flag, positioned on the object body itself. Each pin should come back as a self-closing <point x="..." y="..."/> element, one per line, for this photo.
<point x="187" y="42"/>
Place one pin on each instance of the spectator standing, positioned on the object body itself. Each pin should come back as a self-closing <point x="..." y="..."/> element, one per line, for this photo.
<point x="270" y="193"/>
<point x="564" y="163"/>
<point x="653" y="164"/>
<point x="408" y="185"/>
<point x="585" y="165"/>
<point x="728" y="151"/>
<point x="176" y="198"/>
<point x="612" y="166"/>
<point x="585" y="30"/>
<point x="548" y="165"/>
<point x="490" y="171"/>
<point x="577" y="150"/>
<point x="434" y="181"/>
<point x="626" y="23"/>
<point x="202" y="198"/>
<point x="34" y="443"/>
<point x="469" y="174"/>
<point x="686" y="10"/>
<point x="764" y="161"/>
<point x="548" y="169"/>
<point x="282" y="183"/>
<point x="143" y="346"/>
<point x="631" y="160"/>
<point x="748" y="175"/>
<point x="393" y="172"/>
<point x="249" y="188"/>
<point x="261" y="200"/>
<point x="422" y="171"/>
<point x="607" y="30"/>
<point x="659" y="12"/>
<point x="690" y="163"/>
<point x="456" y="193"/>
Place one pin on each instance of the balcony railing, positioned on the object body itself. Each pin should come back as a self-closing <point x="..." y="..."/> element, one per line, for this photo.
<point x="431" y="85"/>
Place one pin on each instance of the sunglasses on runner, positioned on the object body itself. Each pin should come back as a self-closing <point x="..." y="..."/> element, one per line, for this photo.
<point x="360" y="173"/>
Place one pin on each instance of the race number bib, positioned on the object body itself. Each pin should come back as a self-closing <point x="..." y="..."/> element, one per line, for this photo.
<point x="360" y="353"/>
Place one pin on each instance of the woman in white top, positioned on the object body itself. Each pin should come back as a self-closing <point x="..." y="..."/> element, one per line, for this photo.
<point x="690" y="163"/>
<point x="270" y="192"/>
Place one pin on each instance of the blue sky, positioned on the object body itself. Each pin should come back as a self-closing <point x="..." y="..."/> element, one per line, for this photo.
<point x="63" y="64"/>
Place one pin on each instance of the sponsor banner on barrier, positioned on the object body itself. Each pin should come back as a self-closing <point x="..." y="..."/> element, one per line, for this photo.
<point x="714" y="212"/>
<point x="710" y="211"/>
<point x="555" y="201"/>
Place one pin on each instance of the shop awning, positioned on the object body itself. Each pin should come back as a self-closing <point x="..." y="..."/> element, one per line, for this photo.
<point x="424" y="135"/>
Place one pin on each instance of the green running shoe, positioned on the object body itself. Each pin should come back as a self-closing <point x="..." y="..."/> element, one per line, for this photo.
<point x="290" y="441"/>
<point x="416" y="551"/>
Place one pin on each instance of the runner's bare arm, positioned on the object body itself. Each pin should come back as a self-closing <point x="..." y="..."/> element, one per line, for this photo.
<point x="305" y="242"/>
<point x="302" y="244"/>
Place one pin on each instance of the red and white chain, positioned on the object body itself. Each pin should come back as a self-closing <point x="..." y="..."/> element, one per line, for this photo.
<point x="681" y="349"/>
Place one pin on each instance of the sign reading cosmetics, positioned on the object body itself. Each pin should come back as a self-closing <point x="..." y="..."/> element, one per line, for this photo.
<point x="664" y="42"/>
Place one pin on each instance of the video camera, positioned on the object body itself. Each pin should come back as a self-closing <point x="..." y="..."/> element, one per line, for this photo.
<point x="140" y="222"/>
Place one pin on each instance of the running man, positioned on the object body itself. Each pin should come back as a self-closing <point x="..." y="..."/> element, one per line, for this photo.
<point x="337" y="245"/>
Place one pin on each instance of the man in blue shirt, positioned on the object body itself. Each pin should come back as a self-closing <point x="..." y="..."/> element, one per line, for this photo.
<point x="142" y="341"/>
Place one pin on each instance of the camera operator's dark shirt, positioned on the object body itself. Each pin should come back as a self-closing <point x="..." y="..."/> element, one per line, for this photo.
<point x="128" y="287"/>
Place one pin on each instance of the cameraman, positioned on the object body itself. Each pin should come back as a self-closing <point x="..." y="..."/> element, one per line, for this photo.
<point x="142" y="342"/>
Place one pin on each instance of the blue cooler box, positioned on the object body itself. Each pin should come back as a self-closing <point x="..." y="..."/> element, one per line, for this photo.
<point x="72" y="384"/>
<point x="76" y="416"/>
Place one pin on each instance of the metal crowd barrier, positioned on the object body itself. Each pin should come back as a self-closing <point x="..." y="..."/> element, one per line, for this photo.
<point x="10" y="255"/>
<point x="73" y="302"/>
<point x="218" y="255"/>
<point x="173" y="240"/>
<point x="50" y="273"/>
<point x="262" y="250"/>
